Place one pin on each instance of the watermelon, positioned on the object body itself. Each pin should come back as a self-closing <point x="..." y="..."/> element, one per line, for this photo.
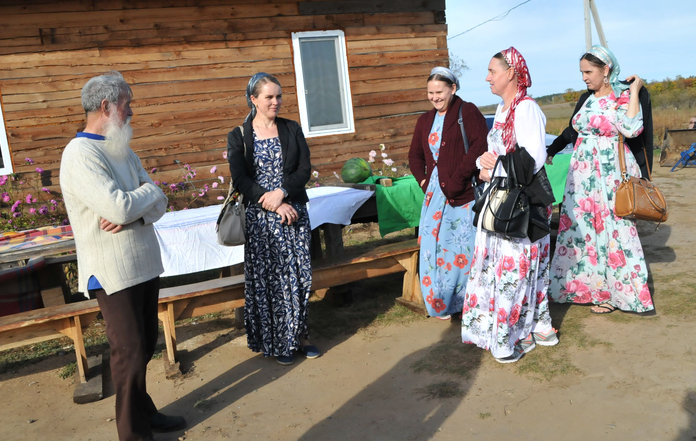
<point x="355" y="170"/>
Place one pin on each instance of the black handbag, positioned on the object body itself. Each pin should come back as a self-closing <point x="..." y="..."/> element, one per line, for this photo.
<point x="503" y="207"/>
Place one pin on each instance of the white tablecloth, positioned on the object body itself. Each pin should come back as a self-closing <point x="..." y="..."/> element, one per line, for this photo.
<point x="188" y="241"/>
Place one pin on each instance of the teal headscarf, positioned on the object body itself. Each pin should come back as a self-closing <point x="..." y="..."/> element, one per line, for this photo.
<point x="610" y="60"/>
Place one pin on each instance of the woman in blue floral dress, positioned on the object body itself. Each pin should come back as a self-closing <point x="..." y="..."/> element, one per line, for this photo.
<point x="599" y="258"/>
<point x="440" y="163"/>
<point x="269" y="165"/>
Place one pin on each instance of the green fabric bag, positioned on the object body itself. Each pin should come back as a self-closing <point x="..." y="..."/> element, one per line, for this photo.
<point x="557" y="174"/>
<point x="398" y="206"/>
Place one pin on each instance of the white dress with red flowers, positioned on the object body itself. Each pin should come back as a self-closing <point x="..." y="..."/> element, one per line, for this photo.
<point x="598" y="256"/>
<point x="446" y="237"/>
<point x="506" y="295"/>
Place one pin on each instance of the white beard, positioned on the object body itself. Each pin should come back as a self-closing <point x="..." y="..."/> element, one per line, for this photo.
<point x="117" y="144"/>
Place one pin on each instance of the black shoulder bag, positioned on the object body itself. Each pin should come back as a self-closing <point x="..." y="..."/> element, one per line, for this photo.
<point x="478" y="188"/>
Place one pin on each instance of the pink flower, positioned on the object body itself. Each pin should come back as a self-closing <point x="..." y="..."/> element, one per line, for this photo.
<point x="3" y="180"/>
<point x="508" y="263"/>
<point x="632" y="231"/>
<point x="156" y="182"/>
<point x="617" y="259"/>
<point x="45" y="190"/>
<point x="388" y="162"/>
<point x="581" y="291"/>
<point x="601" y="124"/>
<point x="587" y="205"/>
<point x="220" y="198"/>
<point x="15" y="206"/>
<point x="515" y="314"/>
<point x="29" y="161"/>
<point x="39" y="170"/>
<point x="618" y="286"/>
<point x="29" y="199"/>
<point x="213" y="169"/>
<point x="564" y="223"/>
<point x="603" y="296"/>
<point x="215" y="185"/>
<point x="592" y="254"/>
<point x="524" y="266"/>
<point x="154" y="170"/>
<point x="502" y="316"/>
<point x="224" y="154"/>
<point x="32" y="210"/>
<point x="644" y="296"/>
<point x="221" y="179"/>
<point x="6" y="197"/>
<point x="372" y="154"/>
<point x="43" y="209"/>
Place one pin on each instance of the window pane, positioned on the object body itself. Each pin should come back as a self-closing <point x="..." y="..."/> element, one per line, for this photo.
<point x="321" y="81"/>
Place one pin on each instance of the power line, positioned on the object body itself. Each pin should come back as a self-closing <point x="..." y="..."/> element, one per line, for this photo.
<point x="496" y="18"/>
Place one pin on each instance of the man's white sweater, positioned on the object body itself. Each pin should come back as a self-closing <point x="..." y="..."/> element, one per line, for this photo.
<point x="97" y="186"/>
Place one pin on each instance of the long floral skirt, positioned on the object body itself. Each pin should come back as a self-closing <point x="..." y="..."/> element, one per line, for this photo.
<point x="278" y="273"/>
<point x="446" y="238"/>
<point x="506" y="297"/>
<point x="598" y="256"/>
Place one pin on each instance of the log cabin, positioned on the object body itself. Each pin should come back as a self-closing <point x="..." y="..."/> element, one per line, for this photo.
<point x="360" y="68"/>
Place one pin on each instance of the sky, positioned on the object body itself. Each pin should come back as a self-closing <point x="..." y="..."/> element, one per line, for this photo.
<point x="550" y="34"/>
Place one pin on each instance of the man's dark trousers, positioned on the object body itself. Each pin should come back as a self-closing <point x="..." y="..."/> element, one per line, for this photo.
<point x="131" y="329"/>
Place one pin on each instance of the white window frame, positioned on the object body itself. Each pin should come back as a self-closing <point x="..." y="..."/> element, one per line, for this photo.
<point x="342" y="62"/>
<point x="6" y="169"/>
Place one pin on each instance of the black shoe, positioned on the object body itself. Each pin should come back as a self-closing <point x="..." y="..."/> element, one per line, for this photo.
<point x="160" y="422"/>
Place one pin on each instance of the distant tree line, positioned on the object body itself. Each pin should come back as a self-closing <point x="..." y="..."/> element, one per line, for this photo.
<point x="677" y="93"/>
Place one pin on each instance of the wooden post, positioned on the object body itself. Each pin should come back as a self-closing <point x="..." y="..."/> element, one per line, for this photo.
<point x="411" y="296"/>
<point x="75" y="325"/>
<point x="166" y="316"/>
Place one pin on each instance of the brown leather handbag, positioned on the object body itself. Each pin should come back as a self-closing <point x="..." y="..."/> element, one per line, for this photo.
<point x="638" y="198"/>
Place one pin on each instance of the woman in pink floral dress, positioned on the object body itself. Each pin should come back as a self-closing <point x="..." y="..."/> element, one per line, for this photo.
<point x="598" y="257"/>
<point x="506" y="308"/>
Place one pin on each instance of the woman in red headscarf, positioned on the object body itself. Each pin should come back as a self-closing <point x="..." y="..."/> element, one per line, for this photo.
<point x="506" y="307"/>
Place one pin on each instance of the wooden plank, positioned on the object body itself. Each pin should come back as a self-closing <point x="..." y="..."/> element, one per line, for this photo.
<point x="356" y="47"/>
<point x="368" y="6"/>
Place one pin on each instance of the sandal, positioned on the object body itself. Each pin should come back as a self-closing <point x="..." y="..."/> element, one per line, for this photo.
<point x="603" y="308"/>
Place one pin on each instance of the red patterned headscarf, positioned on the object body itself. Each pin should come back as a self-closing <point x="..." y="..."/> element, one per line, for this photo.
<point x="515" y="60"/>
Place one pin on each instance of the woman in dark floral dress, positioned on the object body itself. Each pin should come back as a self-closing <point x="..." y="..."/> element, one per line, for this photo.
<point x="269" y="165"/>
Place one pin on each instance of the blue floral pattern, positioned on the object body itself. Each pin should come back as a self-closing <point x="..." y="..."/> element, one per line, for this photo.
<point x="277" y="265"/>
<point x="446" y="237"/>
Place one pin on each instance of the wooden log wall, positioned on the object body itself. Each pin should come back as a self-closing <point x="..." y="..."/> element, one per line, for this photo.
<point x="188" y="62"/>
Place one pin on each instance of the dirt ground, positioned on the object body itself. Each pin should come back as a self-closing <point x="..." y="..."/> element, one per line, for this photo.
<point x="388" y="374"/>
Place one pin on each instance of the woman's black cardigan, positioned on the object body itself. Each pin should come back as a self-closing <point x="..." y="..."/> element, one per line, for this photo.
<point x="296" y="164"/>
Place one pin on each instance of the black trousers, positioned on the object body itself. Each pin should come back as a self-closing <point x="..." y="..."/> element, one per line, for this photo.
<point x="131" y="329"/>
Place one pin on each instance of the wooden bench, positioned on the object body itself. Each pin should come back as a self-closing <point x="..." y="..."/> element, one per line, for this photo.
<point x="192" y="300"/>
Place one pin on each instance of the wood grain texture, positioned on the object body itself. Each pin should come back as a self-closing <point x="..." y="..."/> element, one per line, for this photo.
<point x="188" y="62"/>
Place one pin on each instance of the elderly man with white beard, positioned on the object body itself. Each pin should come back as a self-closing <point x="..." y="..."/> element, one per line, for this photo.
<point x="112" y="204"/>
